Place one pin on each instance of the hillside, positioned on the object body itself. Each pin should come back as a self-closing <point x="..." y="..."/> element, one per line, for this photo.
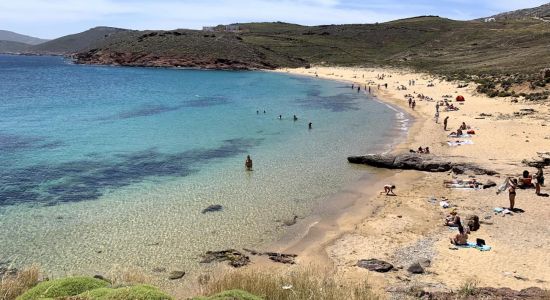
<point x="13" y="47"/>
<point x="542" y="12"/>
<point x="426" y="43"/>
<point x="20" y="38"/>
<point x="76" y="42"/>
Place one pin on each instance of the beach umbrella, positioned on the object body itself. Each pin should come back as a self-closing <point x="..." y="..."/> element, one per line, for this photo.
<point x="460" y="98"/>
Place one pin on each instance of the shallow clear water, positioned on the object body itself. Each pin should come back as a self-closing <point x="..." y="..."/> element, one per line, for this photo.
<point x="106" y="166"/>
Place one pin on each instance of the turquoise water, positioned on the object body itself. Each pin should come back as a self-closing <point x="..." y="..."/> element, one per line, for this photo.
<point x="107" y="166"/>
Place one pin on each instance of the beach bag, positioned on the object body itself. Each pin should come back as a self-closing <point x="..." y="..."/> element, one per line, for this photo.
<point x="471" y="132"/>
<point x="480" y="242"/>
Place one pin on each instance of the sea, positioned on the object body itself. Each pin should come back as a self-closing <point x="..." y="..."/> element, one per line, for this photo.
<point x="105" y="167"/>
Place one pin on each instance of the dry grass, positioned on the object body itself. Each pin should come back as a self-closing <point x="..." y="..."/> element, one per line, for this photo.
<point x="468" y="288"/>
<point x="12" y="286"/>
<point x="124" y="276"/>
<point x="303" y="283"/>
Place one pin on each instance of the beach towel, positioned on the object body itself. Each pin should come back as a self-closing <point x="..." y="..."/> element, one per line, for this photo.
<point x="460" y="143"/>
<point x="462" y="136"/>
<point x="474" y="245"/>
<point x="505" y="185"/>
<point x="464" y="186"/>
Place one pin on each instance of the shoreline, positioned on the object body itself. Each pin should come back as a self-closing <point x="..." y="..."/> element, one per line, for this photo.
<point x="342" y="245"/>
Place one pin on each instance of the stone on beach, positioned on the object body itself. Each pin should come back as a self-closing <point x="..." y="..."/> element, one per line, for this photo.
<point x="375" y="265"/>
<point x="415" y="268"/>
<point x="276" y="256"/>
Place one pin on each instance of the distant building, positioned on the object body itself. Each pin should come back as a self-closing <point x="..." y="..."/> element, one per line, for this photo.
<point x="489" y="20"/>
<point x="232" y="28"/>
<point x="208" y="28"/>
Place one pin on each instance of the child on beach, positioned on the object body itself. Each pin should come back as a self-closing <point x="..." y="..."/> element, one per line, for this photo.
<point x="388" y="189"/>
<point x="539" y="176"/>
<point x="452" y="220"/>
<point x="512" y="192"/>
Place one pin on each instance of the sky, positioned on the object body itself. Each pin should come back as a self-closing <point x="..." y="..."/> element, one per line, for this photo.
<point x="55" y="18"/>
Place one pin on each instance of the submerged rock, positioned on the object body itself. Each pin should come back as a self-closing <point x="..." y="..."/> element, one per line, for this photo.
<point x="375" y="265"/>
<point x="212" y="208"/>
<point x="236" y="259"/>
<point x="420" y="162"/>
<point x="275" y="256"/>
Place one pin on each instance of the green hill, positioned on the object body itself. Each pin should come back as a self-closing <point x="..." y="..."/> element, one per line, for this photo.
<point x="13" y="47"/>
<point x="427" y="43"/>
<point x="76" y="42"/>
<point x="20" y="38"/>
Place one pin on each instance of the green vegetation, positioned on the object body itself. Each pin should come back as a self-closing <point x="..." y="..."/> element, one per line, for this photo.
<point x="302" y="283"/>
<point x="70" y="286"/>
<point x="231" y="295"/>
<point x="136" y="292"/>
<point x="87" y="288"/>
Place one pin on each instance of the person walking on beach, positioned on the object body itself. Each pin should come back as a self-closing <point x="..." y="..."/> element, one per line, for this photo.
<point x="352" y="86"/>
<point x="410" y="102"/>
<point x="436" y="117"/>
<point x="539" y="176"/>
<point x="512" y="192"/>
<point x="413" y="104"/>
<point x="248" y="163"/>
<point x="445" y="123"/>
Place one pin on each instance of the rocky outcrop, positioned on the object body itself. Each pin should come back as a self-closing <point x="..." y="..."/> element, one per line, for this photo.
<point x="420" y="162"/>
<point x="138" y="59"/>
<point x="236" y="259"/>
<point x="275" y="256"/>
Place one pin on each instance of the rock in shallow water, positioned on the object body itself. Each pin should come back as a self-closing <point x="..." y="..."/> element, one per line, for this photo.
<point x="176" y="275"/>
<point x="212" y="208"/>
<point x="375" y="265"/>
<point x="236" y="259"/>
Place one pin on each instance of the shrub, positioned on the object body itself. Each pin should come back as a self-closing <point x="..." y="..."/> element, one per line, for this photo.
<point x="136" y="292"/>
<point x="70" y="286"/>
<point x="468" y="288"/>
<point x="12" y="286"/>
<point x="231" y="295"/>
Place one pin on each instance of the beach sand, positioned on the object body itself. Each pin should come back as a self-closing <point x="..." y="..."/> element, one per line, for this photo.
<point x="408" y="228"/>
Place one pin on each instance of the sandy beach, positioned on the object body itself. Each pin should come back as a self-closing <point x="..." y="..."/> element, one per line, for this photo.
<point x="409" y="228"/>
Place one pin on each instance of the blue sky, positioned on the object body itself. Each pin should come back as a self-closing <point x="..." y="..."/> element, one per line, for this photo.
<point x="54" y="18"/>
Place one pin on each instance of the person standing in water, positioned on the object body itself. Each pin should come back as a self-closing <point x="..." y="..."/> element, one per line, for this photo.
<point x="309" y="125"/>
<point x="280" y="117"/>
<point x="295" y="118"/>
<point x="248" y="163"/>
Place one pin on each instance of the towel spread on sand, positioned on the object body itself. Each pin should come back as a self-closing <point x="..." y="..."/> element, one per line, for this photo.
<point x="462" y="136"/>
<point x="460" y="143"/>
<point x="474" y="245"/>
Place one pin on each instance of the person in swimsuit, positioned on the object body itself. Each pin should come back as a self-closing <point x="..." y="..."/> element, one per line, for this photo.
<point x="248" y="163"/>
<point x="452" y="220"/>
<point x="540" y="180"/>
<point x="512" y="192"/>
<point x="463" y="126"/>
<point x="461" y="238"/>
<point x="388" y="189"/>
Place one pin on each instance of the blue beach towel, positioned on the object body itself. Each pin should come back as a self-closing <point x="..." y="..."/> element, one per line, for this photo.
<point x="474" y="245"/>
